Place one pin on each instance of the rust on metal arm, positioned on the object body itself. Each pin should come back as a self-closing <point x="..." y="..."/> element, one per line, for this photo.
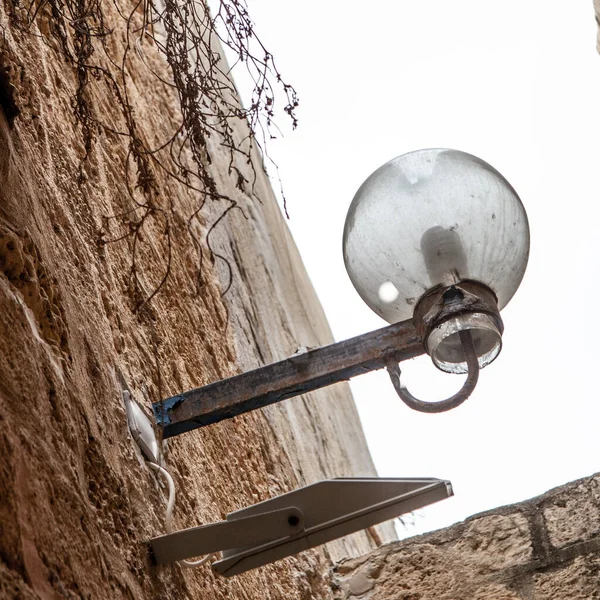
<point x="288" y="378"/>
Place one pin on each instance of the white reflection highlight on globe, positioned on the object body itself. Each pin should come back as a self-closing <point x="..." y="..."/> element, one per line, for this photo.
<point x="388" y="292"/>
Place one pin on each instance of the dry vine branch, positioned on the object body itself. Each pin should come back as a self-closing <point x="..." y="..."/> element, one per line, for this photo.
<point x="188" y="36"/>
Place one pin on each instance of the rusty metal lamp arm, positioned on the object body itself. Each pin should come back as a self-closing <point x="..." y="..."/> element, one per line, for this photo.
<point x="302" y="373"/>
<point x="444" y="405"/>
<point x="291" y="377"/>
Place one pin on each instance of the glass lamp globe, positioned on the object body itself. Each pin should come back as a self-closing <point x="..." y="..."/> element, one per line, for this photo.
<point x="432" y="219"/>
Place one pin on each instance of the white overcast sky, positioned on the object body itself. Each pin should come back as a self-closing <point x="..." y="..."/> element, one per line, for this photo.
<point x="516" y="83"/>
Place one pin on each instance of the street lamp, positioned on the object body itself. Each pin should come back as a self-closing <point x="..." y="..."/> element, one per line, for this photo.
<point x="436" y="242"/>
<point x="440" y="236"/>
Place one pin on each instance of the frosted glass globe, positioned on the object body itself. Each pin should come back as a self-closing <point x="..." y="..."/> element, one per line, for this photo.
<point x="433" y="217"/>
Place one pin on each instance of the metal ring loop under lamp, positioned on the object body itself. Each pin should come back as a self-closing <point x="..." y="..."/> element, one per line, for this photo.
<point x="452" y="402"/>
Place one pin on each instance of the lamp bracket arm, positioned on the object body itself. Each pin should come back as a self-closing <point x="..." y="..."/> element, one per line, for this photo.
<point x="290" y="377"/>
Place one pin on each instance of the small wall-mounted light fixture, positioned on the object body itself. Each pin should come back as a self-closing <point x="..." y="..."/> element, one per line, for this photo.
<point x="304" y="518"/>
<point x="436" y="242"/>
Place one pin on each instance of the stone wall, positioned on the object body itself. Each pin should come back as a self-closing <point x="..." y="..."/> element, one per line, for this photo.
<point x="77" y="503"/>
<point x="547" y="548"/>
<point x="597" y="11"/>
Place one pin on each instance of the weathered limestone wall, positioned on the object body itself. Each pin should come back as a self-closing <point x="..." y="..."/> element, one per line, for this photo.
<point x="597" y="11"/>
<point x="77" y="502"/>
<point x="547" y="548"/>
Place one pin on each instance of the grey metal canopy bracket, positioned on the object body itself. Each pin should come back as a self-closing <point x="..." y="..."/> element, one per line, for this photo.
<point x="288" y="378"/>
<point x="302" y="519"/>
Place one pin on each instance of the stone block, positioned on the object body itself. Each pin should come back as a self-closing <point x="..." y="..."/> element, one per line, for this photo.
<point x="574" y="514"/>
<point x="494" y="542"/>
<point x="579" y="580"/>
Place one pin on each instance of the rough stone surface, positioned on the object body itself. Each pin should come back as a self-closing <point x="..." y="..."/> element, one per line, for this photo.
<point x="579" y="580"/>
<point x="577" y="517"/>
<point x="597" y="10"/>
<point x="494" y="542"/>
<point x="77" y="503"/>
<point x="540" y="549"/>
